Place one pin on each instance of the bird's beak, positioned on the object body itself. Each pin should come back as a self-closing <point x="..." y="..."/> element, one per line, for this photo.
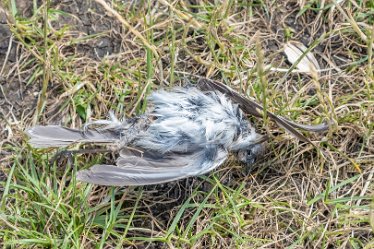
<point x="261" y="139"/>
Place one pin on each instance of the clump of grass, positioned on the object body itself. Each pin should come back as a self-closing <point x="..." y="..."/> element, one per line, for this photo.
<point x="296" y="196"/>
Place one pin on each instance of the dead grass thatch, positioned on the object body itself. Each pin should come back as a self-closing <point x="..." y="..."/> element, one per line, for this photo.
<point x="65" y="62"/>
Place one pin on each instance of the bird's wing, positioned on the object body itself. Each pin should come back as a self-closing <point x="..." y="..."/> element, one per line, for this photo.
<point x="251" y="107"/>
<point x="134" y="169"/>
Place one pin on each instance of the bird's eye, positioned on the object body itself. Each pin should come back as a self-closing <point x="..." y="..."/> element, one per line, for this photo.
<point x="251" y="157"/>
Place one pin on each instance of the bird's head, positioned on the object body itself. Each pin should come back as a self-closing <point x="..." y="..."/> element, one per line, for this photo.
<point x="249" y="149"/>
<point x="251" y="154"/>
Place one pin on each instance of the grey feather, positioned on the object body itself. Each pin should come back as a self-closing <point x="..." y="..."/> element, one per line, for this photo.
<point x="153" y="171"/>
<point x="58" y="136"/>
<point x="185" y="132"/>
<point x="253" y="108"/>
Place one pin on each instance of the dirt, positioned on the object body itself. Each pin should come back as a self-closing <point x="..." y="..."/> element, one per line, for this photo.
<point x="18" y="99"/>
<point x="88" y="18"/>
<point x="82" y="18"/>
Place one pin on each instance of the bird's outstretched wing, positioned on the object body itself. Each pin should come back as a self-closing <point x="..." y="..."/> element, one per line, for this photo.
<point x="135" y="169"/>
<point x="251" y="107"/>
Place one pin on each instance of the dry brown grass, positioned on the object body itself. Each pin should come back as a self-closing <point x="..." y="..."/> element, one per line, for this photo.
<point x="67" y="62"/>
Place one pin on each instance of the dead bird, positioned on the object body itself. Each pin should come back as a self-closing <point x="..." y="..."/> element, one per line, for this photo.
<point x="187" y="131"/>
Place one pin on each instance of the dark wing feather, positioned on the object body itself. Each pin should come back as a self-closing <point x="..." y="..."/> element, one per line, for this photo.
<point x="251" y="107"/>
<point x="135" y="170"/>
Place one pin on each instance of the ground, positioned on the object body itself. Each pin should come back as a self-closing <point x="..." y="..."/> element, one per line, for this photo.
<point x="67" y="62"/>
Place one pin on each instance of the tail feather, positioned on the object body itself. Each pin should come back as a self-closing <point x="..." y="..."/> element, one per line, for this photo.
<point x="58" y="136"/>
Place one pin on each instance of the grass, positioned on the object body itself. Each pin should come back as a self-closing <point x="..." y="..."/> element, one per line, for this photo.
<point x="67" y="67"/>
